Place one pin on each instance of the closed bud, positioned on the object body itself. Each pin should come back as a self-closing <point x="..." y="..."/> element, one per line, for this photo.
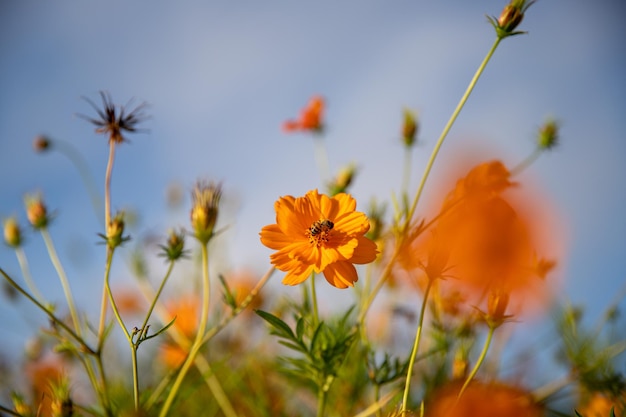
<point x="510" y="18"/>
<point x="175" y="247"/>
<point x="497" y="302"/>
<point x="206" y="198"/>
<point x="410" y="128"/>
<point x="548" y="136"/>
<point x="12" y="232"/>
<point x="41" y="144"/>
<point x="343" y="180"/>
<point x="36" y="212"/>
<point x="115" y="231"/>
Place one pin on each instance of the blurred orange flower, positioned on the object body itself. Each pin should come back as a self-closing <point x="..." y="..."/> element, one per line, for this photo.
<point x="318" y="233"/>
<point x="310" y="117"/>
<point x="187" y="313"/>
<point x="43" y="375"/>
<point x="482" y="399"/>
<point x="483" y="240"/>
<point x="600" y="405"/>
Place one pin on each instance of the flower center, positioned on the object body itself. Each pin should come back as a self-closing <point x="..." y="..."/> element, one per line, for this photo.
<point x="319" y="231"/>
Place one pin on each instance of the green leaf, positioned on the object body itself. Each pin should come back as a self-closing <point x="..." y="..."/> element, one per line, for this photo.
<point x="281" y="328"/>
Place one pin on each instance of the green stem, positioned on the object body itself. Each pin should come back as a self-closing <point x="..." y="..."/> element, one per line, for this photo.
<point x="418" y="333"/>
<point x="481" y="359"/>
<point x="526" y="162"/>
<point x="406" y="176"/>
<point x="316" y="317"/>
<point x="21" y="259"/>
<point x="133" y="349"/>
<point x="64" y="282"/>
<point x="321" y="401"/>
<point x="107" y="186"/>
<point x="447" y="128"/>
<point x="197" y="343"/>
<point x="214" y="385"/>
<point x="155" y="299"/>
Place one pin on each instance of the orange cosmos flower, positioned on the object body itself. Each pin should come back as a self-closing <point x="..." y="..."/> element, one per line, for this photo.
<point x="187" y="313"/>
<point x="494" y="399"/>
<point x="318" y="233"/>
<point x="310" y="117"/>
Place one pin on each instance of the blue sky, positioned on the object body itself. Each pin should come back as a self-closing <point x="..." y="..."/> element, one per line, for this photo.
<point x="221" y="77"/>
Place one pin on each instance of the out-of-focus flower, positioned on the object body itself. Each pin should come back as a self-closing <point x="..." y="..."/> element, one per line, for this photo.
<point x="12" y="232"/>
<point x="175" y="247"/>
<point x="41" y="143"/>
<point x="600" y="405"/>
<point x="241" y="284"/>
<point x="128" y="301"/>
<point x="482" y="242"/>
<point x="36" y="211"/>
<point x="494" y="399"/>
<point x="204" y="210"/>
<point x="186" y="310"/>
<point x="410" y="128"/>
<point x="43" y="375"/>
<point x="310" y="117"/>
<point x="113" y="121"/>
<point x="317" y="233"/>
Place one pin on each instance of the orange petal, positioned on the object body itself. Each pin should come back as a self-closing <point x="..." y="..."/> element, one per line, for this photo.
<point x="341" y="274"/>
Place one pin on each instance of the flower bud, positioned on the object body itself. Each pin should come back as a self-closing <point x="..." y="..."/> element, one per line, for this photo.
<point x="115" y="231"/>
<point x="497" y="302"/>
<point x="409" y="128"/>
<point x="12" y="232"/>
<point x="548" y="136"/>
<point x="42" y="144"/>
<point x="343" y="180"/>
<point x="206" y="198"/>
<point x="36" y="212"/>
<point x="510" y="18"/>
<point x="175" y="247"/>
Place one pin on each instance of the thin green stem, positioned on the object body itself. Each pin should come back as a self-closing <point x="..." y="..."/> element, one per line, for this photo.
<point x="383" y="278"/>
<point x="107" y="185"/>
<point x="64" y="282"/>
<point x="416" y="342"/>
<point x="479" y="362"/>
<point x="156" y="298"/>
<point x="316" y="316"/>
<point x="107" y="287"/>
<point x="526" y="162"/>
<point x="21" y="259"/>
<point x="447" y="128"/>
<point x="406" y="173"/>
<point x="133" y="349"/>
<point x="197" y="343"/>
<point x="214" y="385"/>
<point x="321" y="401"/>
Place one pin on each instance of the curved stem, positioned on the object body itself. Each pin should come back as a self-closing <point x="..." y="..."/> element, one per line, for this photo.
<point x="21" y="259"/>
<point x="156" y="298"/>
<point x="447" y="128"/>
<point x="418" y="333"/>
<point x="64" y="282"/>
<point x="479" y="362"/>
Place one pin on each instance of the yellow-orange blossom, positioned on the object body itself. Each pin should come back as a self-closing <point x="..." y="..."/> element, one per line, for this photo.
<point x="302" y="248"/>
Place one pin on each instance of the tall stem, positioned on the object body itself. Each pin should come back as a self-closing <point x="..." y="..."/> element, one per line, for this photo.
<point x="63" y="278"/>
<point x="447" y="128"/>
<point x="416" y="342"/>
<point x="316" y="316"/>
<point x="21" y="259"/>
<point x="321" y="156"/>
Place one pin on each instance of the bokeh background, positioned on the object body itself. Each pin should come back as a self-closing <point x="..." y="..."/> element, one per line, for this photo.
<point x="221" y="77"/>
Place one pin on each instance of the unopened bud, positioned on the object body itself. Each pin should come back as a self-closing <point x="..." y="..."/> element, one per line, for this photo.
<point x="175" y="247"/>
<point x="115" y="231"/>
<point x="41" y="144"/>
<point x="206" y="198"/>
<point x="410" y="128"/>
<point x="511" y="16"/>
<point x="36" y="211"/>
<point x="12" y="232"/>
<point x="497" y="302"/>
<point x="343" y="180"/>
<point x="548" y="136"/>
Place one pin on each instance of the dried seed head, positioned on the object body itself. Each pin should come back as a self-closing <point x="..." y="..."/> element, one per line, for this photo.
<point x="113" y="120"/>
<point x="42" y="143"/>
